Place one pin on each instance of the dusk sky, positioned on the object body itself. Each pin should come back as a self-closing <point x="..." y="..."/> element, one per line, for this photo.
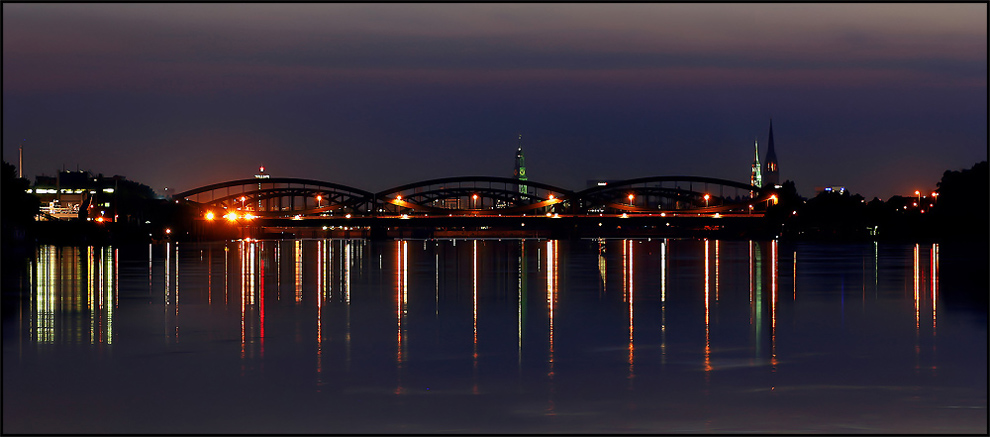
<point x="880" y="98"/>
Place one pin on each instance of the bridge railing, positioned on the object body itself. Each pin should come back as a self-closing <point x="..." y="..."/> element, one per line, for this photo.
<point x="475" y="195"/>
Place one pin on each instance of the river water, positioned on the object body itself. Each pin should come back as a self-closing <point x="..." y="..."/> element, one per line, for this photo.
<point x="492" y="336"/>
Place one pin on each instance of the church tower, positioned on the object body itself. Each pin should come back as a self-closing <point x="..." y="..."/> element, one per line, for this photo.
<point x="520" y="172"/>
<point x="771" y="172"/>
<point x="756" y="177"/>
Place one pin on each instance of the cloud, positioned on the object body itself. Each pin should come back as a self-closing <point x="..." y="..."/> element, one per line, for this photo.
<point x="194" y="48"/>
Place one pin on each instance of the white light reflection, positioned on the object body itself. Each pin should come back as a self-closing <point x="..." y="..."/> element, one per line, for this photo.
<point x="629" y="275"/>
<point x="209" y="277"/>
<point x="44" y="301"/>
<point x="91" y="296"/>
<point x="349" y="249"/>
<point x="663" y="302"/>
<point x="716" y="271"/>
<point x="73" y="295"/>
<point x="319" y="314"/>
<point x="756" y="287"/>
<point x="261" y="301"/>
<point x="110" y="294"/>
<point x="917" y="314"/>
<point x="401" y="284"/>
<point x="773" y="307"/>
<point x="934" y="273"/>
<point x="708" y="344"/>
<point x="601" y="265"/>
<point x="551" y="269"/>
<point x="474" y="303"/>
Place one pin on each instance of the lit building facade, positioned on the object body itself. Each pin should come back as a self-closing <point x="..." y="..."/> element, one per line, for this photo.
<point x="756" y="174"/>
<point x="77" y="194"/>
<point x="520" y="171"/>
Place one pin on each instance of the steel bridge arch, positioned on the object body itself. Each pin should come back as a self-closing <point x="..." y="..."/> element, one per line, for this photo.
<point x="269" y="196"/>
<point x="455" y="195"/>
<point x="614" y="195"/>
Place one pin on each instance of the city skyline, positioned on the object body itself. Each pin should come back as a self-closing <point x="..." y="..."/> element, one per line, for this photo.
<point x="878" y="98"/>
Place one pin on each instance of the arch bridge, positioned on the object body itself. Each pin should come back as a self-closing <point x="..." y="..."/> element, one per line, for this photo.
<point x="474" y="196"/>
<point x="279" y="197"/>
<point x="671" y="194"/>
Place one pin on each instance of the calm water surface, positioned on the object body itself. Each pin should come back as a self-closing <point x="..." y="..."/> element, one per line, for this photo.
<point x="504" y="336"/>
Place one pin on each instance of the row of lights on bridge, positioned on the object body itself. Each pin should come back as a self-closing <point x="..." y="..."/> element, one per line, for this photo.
<point x="232" y="216"/>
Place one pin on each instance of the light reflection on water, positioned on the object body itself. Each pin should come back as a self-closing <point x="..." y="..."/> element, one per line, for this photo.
<point x="707" y="340"/>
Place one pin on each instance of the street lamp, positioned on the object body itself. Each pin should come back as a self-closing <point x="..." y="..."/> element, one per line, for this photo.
<point x="631" y="197"/>
<point x="319" y="200"/>
<point x="475" y="201"/>
<point x="918" y="193"/>
<point x="706" y="199"/>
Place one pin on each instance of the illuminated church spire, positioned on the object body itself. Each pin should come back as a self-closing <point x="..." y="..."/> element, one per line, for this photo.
<point x="756" y="177"/>
<point x="521" y="168"/>
<point x="771" y="171"/>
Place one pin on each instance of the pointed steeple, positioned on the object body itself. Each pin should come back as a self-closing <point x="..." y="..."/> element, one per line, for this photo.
<point x="520" y="171"/>
<point x="756" y="177"/>
<point x="771" y="171"/>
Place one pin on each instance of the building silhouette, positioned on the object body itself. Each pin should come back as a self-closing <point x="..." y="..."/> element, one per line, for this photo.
<point x="771" y="171"/>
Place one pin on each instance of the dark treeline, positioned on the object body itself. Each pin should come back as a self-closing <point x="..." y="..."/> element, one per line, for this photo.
<point x="959" y="210"/>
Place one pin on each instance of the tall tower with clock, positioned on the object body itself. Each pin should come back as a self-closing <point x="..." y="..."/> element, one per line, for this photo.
<point x="520" y="171"/>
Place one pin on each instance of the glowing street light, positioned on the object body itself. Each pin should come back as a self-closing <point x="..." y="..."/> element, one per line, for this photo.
<point x="319" y="200"/>
<point x="631" y="197"/>
<point x="475" y="201"/>
<point x="209" y="215"/>
<point x="706" y="199"/>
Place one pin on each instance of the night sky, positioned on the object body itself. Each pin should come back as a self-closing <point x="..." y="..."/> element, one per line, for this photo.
<point x="880" y="98"/>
